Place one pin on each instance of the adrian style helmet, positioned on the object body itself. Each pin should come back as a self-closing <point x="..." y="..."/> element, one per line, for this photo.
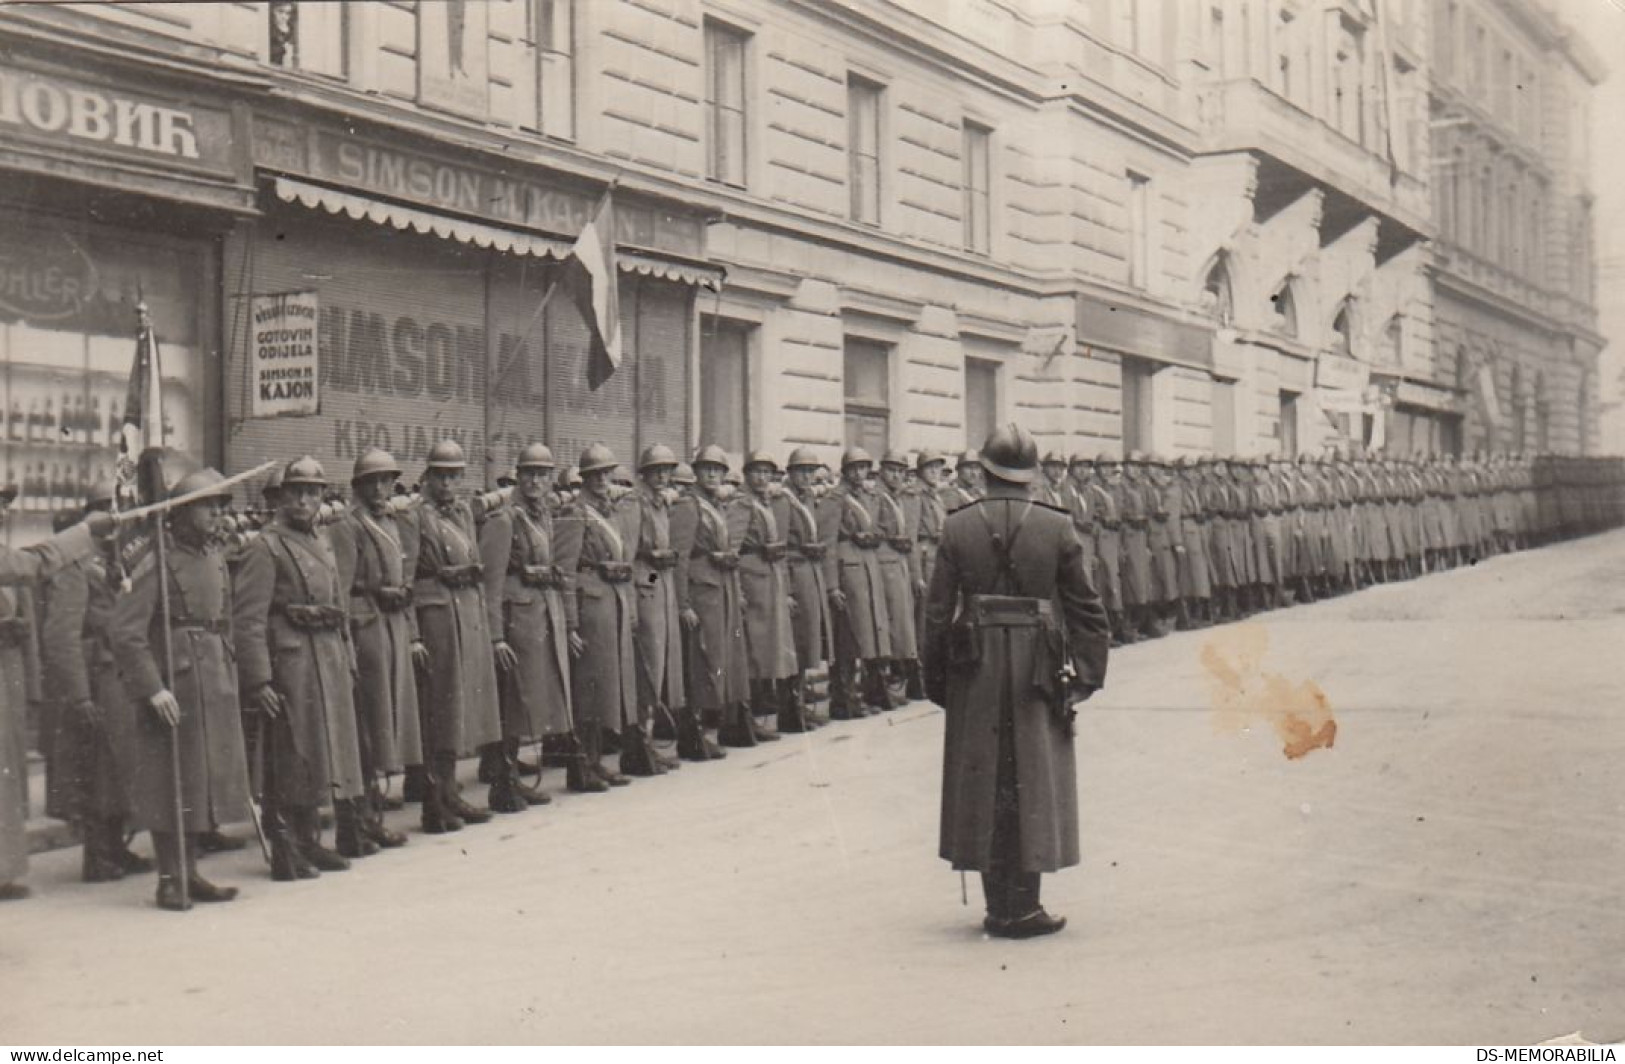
<point x="1011" y="454"/>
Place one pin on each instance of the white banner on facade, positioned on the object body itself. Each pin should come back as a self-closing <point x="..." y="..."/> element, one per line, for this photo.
<point x="285" y="363"/>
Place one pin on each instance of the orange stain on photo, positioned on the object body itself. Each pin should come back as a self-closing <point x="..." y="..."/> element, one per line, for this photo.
<point x="1243" y="692"/>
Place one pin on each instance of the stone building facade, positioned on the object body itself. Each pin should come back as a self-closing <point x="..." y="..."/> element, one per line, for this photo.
<point x="1216" y="225"/>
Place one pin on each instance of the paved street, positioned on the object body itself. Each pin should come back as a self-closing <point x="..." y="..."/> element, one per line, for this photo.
<point x="1448" y="871"/>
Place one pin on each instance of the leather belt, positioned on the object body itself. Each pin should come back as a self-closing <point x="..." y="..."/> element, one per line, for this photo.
<point x="811" y="551"/>
<point x="220" y="627"/>
<point x="542" y="576"/>
<point x="1009" y="611"/>
<point x="387" y="598"/>
<point x="610" y="572"/>
<point x="460" y="576"/>
<point x="311" y="617"/>
<point x="660" y="559"/>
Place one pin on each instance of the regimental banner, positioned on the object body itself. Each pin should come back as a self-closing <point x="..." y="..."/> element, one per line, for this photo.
<point x="284" y="362"/>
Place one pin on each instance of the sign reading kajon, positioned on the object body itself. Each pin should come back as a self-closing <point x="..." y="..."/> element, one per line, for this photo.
<point x="286" y="363"/>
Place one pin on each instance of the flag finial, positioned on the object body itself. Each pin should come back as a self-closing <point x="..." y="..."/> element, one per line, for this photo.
<point x="143" y="315"/>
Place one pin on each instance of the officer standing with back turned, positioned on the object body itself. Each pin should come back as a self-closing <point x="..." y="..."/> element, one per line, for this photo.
<point x="1015" y="637"/>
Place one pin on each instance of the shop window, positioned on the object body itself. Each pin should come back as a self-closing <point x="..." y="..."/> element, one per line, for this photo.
<point x="976" y="183"/>
<point x="725" y="399"/>
<point x="1138" y="412"/>
<point x="863" y="100"/>
<point x="554" y="37"/>
<point x="309" y="36"/>
<point x="67" y="341"/>
<point x="981" y="400"/>
<point x="1139" y="230"/>
<point x="868" y="395"/>
<point x="725" y="99"/>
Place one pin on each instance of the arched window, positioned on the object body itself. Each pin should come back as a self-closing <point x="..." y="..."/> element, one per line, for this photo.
<point x="1393" y="338"/>
<point x="1217" y="299"/>
<point x="1286" y="309"/>
<point x="1343" y="331"/>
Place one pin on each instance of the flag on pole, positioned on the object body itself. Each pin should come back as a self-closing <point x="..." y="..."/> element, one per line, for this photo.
<point x="141" y="437"/>
<point x="590" y="277"/>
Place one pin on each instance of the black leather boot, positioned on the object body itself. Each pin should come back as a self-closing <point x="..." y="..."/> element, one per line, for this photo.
<point x="307" y="833"/>
<point x="583" y="770"/>
<point x="100" y="862"/>
<point x="348" y="838"/>
<point x="737" y="727"/>
<point x="792" y="708"/>
<point x="119" y="848"/>
<point x="438" y="819"/>
<point x="201" y="889"/>
<point x="445" y="777"/>
<point x="504" y="796"/>
<point x="372" y="819"/>
<point x="692" y="745"/>
<point x="172" y="893"/>
<point x="287" y="863"/>
<point x="638" y="754"/>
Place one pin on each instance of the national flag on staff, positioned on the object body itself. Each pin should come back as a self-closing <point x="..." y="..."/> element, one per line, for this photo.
<point x="141" y="437"/>
<point x="590" y="276"/>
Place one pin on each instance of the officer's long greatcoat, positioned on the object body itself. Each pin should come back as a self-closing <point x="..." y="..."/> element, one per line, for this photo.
<point x="458" y="693"/>
<point x="214" y="769"/>
<point x="845" y="525"/>
<point x="659" y="628"/>
<point x="287" y="569"/>
<point x="1196" y="572"/>
<point x="1136" y="570"/>
<point x="896" y="573"/>
<point x="978" y="674"/>
<point x="1163" y="501"/>
<point x="811" y="620"/>
<point x="1108" y="522"/>
<point x="596" y="543"/>
<point x="708" y="583"/>
<point x="376" y="557"/>
<point x="524" y="602"/>
<point x="84" y="759"/>
<point x="764" y="584"/>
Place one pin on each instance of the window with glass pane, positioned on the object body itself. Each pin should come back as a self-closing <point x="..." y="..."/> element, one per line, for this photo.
<point x="977" y="182"/>
<point x="1139" y="229"/>
<point x="725" y="103"/>
<point x="725" y="398"/>
<point x="309" y="36"/>
<point x="868" y="395"/>
<point x="981" y="400"/>
<point x="863" y="148"/>
<point x="554" y="34"/>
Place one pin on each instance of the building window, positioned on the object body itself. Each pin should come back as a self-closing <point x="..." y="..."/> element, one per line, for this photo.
<point x="1289" y="423"/>
<point x="725" y="368"/>
<point x="554" y="34"/>
<point x="978" y="179"/>
<point x="1224" y="417"/>
<point x="868" y="396"/>
<point x="1343" y="332"/>
<point x="1216" y="297"/>
<point x="1445" y="45"/>
<point x="1139" y="230"/>
<point x="1393" y="341"/>
<point x="1138" y="412"/>
<point x="1286" y="310"/>
<point x="725" y="103"/>
<point x="981" y="400"/>
<point x="863" y="149"/>
<point x="309" y="36"/>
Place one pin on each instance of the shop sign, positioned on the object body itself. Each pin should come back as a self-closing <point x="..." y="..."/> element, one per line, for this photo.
<point x="285" y="366"/>
<point x="1142" y="334"/>
<point x="59" y="110"/>
<point x="45" y="278"/>
<point x="1342" y="374"/>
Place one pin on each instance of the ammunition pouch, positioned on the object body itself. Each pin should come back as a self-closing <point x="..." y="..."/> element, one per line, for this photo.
<point x="863" y="540"/>
<point x="460" y="576"/>
<point x="812" y="551"/>
<point x="660" y="559"/>
<point x="901" y="544"/>
<point x="614" y="572"/>
<point x="723" y="559"/>
<point x="540" y="576"/>
<point x="386" y="598"/>
<point x="313" y="618"/>
<point x="13" y="631"/>
<point x="768" y="552"/>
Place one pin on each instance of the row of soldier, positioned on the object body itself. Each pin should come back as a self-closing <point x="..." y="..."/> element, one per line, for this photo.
<point x="401" y="633"/>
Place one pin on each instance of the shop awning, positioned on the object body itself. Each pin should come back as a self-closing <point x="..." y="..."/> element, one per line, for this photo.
<point x="480" y="235"/>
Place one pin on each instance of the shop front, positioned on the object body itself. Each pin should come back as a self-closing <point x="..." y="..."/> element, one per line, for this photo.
<point x="115" y="186"/>
<point x="430" y="285"/>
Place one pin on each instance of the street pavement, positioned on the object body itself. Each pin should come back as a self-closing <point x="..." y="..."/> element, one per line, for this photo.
<point x="1448" y="870"/>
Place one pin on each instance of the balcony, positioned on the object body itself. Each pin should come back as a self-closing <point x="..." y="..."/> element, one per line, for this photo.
<point x="1244" y="115"/>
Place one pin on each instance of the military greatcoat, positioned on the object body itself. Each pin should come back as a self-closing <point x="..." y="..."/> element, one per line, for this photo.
<point x="524" y="602"/>
<point x="982" y="672"/>
<point x="764" y="585"/>
<point x="851" y="539"/>
<point x="896" y="572"/>
<point x="457" y="695"/>
<point x="659" y="628"/>
<point x="1196" y="570"/>
<point x="708" y="583"/>
<point x="810" y="620"/>
<point x="596" y="544"/>
<point x="213" y="766"/>
<point x="290" y="624"/>
<point x="376" y="558"/>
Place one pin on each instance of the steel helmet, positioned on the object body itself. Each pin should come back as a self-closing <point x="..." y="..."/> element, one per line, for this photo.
<point x="761" y="458"/>
<point x="597" y="456"/>
<point x="447" y="454"/>
<point x="711" y="454"/>
<point x="855" y="456"/>
<point x="200" y="480"/>
<point x="928" y="457"/>
<point x="969" y="458"/>
<point x="657" y="456"/>
<point x="1011" y="454"/>
<point x="535" y="456"/>
<point x="375" y="462"/>
<point x="304" y="470"/>
<point x="683" y="474"/>
<point x="1054" y="458"/>
<point x="803" y="458"/>
<point x="895" y="457"/>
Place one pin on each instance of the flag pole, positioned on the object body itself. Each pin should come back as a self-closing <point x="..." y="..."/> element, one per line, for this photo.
<point x="156" y="480"/>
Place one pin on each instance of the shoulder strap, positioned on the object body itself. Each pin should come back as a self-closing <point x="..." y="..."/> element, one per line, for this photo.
<point x="1003" y="547"/>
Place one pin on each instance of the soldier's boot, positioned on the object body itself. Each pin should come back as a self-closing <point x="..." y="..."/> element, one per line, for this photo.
<point x="593" y="746"/>
<point x="199" y="888"/>
<point x="445" y="775"/>
<point x="876" y="693"/>
<point x="348" y="838"/>
<point x="894" y="684"/>
<point x="100" y="863"/>
<point x="843" y="695"/>
<point x="637" y="753"/>
<point x="119" y="848"/>
<point x="438" y="817"/>
<point x="217" y="841"/>
<point x="415" y="783"/>
<point x="372" y="819"/>
<point x="915" y="689"/>
<point x="792" y="708"/>
<point x="692" y="743"/>
<point x="665" y="724"/>
<point x="307" y="834"/>
<point x="171" y="872"/>
<point x="737" y="727"/>
<point x="521" y="768"/>
<point x="504" y="796"/>
<point x="1182" y="615"/>
<point x="287" y="863"/>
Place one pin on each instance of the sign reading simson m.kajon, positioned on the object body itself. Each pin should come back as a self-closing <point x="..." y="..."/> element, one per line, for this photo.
<point x="284" y="368"/>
